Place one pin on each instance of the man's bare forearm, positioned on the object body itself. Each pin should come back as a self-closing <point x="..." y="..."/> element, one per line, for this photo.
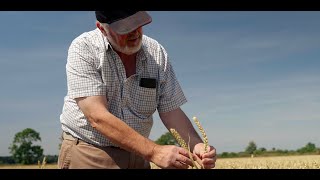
<point x="123" y="135"/>
<point x="113" y="128"/>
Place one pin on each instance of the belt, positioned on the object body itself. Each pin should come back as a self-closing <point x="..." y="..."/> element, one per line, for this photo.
<point x="68" y="136"/>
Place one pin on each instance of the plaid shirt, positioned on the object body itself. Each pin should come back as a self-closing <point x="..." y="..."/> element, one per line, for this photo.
<point x="93" y="68"/>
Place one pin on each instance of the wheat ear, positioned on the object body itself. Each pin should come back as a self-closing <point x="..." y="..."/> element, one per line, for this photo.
<point x="183" y="144"/>
<point x="204" y="136"/>
<point x="177" y="136"/>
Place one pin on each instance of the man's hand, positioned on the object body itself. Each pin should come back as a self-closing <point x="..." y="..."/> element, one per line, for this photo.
<point x="171" y="157"/>
<point x="207" y="159"/>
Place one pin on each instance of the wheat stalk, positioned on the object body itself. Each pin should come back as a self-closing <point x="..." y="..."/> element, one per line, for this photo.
<point x="195" y="164"/>
<point x="43" y="163"/>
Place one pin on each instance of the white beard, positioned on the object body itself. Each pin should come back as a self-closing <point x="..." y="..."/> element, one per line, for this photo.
<point x="125" y="50"/>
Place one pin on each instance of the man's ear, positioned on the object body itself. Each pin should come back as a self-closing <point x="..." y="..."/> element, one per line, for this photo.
<point x="100" y="27"/>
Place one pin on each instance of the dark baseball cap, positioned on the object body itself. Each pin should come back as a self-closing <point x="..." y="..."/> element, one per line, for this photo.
<point x="123" y="22"/>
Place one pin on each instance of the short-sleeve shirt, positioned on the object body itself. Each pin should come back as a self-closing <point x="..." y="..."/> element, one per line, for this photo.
<point x="94" y="69"/>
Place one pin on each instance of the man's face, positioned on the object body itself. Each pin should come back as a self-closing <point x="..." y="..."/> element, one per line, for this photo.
<point x="128" y="43"/>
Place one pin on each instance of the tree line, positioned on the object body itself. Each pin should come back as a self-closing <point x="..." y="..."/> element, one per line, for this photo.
<point x="252" y="150"/>
<point x="24" y="150"/>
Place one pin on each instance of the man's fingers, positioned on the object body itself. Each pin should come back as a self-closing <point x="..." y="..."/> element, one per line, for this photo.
<point x="180" y="165"/>
<point x="185" y="153"/>
<point x="208" y="161"/>
<point x="184" y="159"/>
<point x="209" y="154"/>
<point x="199" y="161"/>
<point x="209" y="166"/>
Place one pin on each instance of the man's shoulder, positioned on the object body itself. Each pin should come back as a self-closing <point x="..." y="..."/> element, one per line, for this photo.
<point x="92" y="36"/>
<point x="91" y="39"/>
<point x="151" y="43"/>
<point x="148" y="39"/>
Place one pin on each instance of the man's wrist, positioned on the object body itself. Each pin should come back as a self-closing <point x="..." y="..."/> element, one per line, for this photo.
<point x="151" y="152"/>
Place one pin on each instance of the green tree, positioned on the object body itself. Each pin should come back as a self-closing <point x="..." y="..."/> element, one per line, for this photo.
<point x="262" y="149"/>
<point x="251" y="148"/>
<point x="166" y="139"/>
<point x="310" y="147"/>
<point x="22" y="149"/>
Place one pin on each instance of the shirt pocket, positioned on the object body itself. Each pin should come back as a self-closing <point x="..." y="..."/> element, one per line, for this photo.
<point x="144" y="100"/>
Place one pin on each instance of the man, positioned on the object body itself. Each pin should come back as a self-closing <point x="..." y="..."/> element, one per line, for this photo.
<point x="117" y="78"/>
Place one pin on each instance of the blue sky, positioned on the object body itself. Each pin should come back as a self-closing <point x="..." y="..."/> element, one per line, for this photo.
<point x="247" y="75"/>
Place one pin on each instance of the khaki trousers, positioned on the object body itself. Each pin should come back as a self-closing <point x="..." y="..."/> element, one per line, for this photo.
<point x="77" y="154"/>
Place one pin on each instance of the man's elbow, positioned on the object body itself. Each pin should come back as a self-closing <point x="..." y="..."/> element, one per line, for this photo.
<point x="95" y="120"/>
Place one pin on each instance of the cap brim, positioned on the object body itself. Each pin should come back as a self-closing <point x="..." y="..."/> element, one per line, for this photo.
<point x="131" y="23"/>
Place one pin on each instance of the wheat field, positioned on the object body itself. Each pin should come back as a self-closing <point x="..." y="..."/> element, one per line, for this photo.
<point x="281" y="162"/>
<point x="17" y="166"/>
